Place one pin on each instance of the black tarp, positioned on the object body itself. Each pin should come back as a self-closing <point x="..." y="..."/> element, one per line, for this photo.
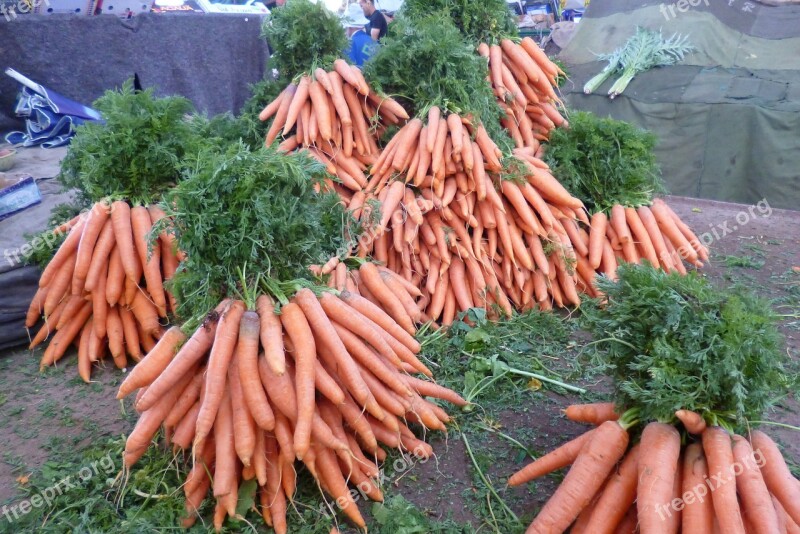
<point x="208" y="58"/>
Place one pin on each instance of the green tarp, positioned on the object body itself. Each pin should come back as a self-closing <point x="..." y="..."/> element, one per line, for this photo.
<point x="728" y="117"/>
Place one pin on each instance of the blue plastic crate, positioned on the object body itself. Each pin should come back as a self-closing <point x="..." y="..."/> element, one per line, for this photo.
<point x="19" y="196"/>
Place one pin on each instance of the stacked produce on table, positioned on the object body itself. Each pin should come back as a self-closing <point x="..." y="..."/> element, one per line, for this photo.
<point x="693" y="368"/>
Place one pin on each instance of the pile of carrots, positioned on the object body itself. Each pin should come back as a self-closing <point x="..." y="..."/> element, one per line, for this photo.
<point x="323" y="380"/>
<point x="524" y="80"/>
<point x="449" y="222"/>
<point x="718" y="482"/>
<point x="104" y="288"/>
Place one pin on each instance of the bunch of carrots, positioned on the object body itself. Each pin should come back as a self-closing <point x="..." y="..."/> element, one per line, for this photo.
<point x="323" y="380"/>
<point x="450" y="223"/>
<point x="104" y="287"/>
<point x="714" y="482"/>
<point x="524" y="80"/>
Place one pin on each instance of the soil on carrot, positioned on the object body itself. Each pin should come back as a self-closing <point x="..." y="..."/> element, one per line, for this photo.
<point x="52" y="422"/>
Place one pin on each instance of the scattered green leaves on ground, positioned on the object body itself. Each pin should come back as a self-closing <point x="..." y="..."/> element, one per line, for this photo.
<point x="604" y="161"/>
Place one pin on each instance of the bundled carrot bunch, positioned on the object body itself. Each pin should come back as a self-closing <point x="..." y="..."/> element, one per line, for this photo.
<point x="719" y="482"/>
<point x="524" y="80"/>
<point x="104" y="287"/>
<point x="323" y="379"/>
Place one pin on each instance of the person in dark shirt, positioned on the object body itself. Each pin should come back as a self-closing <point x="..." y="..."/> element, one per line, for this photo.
<point x="376" y="27"/>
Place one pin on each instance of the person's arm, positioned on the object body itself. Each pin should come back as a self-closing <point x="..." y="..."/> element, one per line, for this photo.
<point x="375" y="33"/>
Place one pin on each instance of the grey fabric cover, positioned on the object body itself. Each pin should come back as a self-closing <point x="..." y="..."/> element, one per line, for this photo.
<point x="728" y="117"/>
<point x="208" y="58"/>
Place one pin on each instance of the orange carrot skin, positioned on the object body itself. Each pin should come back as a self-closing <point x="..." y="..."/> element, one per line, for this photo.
<point x="777" y="476"/>
<point x="698" y="513"/>
<point x="299" y="331"/>
<point x="617" y="497"/>
<point x="692" y="421"/>
<point x="719" y="455"/>
<point x="556" y="459"/>
<point x="218" y="362"/>
<point x="753" y="492"/>
<point x="247" y="354"/>
<point x="594" y="463"/>
<point x="658" y="460"/>
<point x="593" y="413"/>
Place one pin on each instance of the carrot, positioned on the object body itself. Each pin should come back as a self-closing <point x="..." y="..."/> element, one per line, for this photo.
<point x="591" y="467"/>
<point x="225" y="467"/>
<point x="280" y="389"/>
<point x="693" y="422"/>
<point x="658" y="461"/>
<point x="115" y="280"/>
<point x="99" y="304"/>
<point x="495" y="70"/>
<point x="271" y="108"/>
<point x="434" y="113"/>
<point x="271" y="334"/>
<point x="84" y="363"/>
<point x="299" y="98"/>
<point x="698" y="512"/>
<point x="244" y="426"/>
<point x="123" y="235"/>
<point x="321" y="109"/>
<point x="149" y="257"/>
<point x="594" y="413"/>
<point x="719" y="455"/>
<point x="550" y="188"/>
<point x="59" y="286"/>
<point x="617" y="497"/>
<point x="247" y="356"/>
<point x="190" y="353"/>
<point x="297" y="328"/>
<point x="597" y="234"/>
<point x="185" y="401"/>
<point x="755" y="497"/>
<point x="779" y="480"/>
<point x="63" y="338"/>
<point x="218" y="361"/>
<point x="656" y="237"/>
<point x="116" y="338"/>
<point x="131" y="333"/>
<point x="145" y="313"/>
<point x="100" y="255"/>
<point x="431" y="389"/>
<point x="642" y="237"/>
<point x="152" y="366"/>
<point x="371" y="278"/>
<point x="149" y="422"/>
<point x="394" y="196"/>
<point x="519" y="56"/>
<point x="331" y="476"/>
<point x="274" y="496"/>
<point x="95" y="221"/>
<point x="673" y="233"/>
<point x="556" y="459"/>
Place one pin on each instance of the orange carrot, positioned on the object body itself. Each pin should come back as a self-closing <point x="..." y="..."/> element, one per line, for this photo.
<point x="755" y="497"/>
<point x="658" y="461"/>
<point x="556" y="459"/>
<point x="95" y="221"/>
<point x="131" y="333"/>
<point x="225" y="467"/>
<point x="693" y="422"/>
<point x="271" y="334"/>
<point x="698" y="512"/>
<point x="299" y="98"/>
<point x="244" y="426"/>
<point x="186" y="400"/>
<point x="63" y="338"/>
<point x="103" y="246"/>
<point x="594" y="413"/>
<point x="597" y="234"/>
<point x="247" y="356"/>
<point x="221" y="353"/>
<point x="617" y="497"/>
<point x="777" y="476"/>
<point x="371" y="278"/>
<point x="297" y="328"/>
<point x="149" y="257"/>
<point x="719" y="455"/>
<point x="591" y="467"/>
<point x="190" y="353"/>
<point x="116" y="337"/>
<point x="152" y="366"/>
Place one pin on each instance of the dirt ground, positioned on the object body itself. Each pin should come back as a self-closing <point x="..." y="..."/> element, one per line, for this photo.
<point x="43" y="413"/>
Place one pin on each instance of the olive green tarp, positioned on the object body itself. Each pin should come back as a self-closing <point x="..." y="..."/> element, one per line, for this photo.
<point x="727" y="117"/>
